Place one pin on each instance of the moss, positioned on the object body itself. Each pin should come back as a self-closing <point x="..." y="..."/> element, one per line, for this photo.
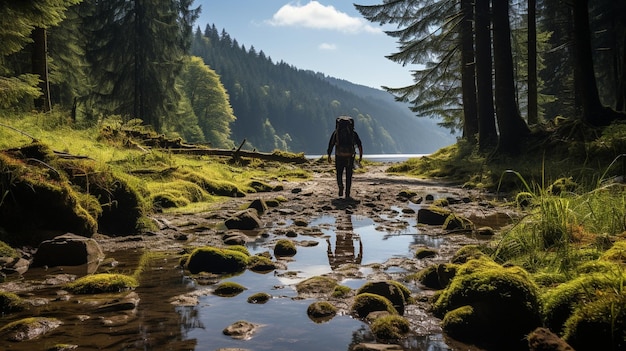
<point x="260" y="186"/>
<point x="366" y="303"/>
<point x="617" y="252"/>
<point x="10" y="302"/>
<point x="392" y="290"/>
<point x="259" y="298"/>
<point x="212" y="186"/>
<point x="239" y="248"/>
<point x="436" y="276"/>
<point x="24" y="329"/>
<point x="7" y="251"/>
<point x="215" y="260"/>
<point x="228" y="289"/>
<point x="425" y="253"/>
<point x="494" y="293"/>
<point x="285" y="247"/>
<point x="101" y="283"/>
<point x="562" y="185"/>
<point x="467" y="253"/>
<point x="390" y="327"/>
<point x="341" y="291"/>
<point x="458" y="322"/>
<point x="598" y="325"/>
<point x="316" y="285"/>
<point x="563" y="301"/>
<point x="261" y="264"/>
<point x="321" y="311"/>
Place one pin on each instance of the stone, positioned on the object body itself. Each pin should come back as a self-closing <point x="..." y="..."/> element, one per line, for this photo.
<point x="242" y="330"/>
<point x="542" y="339"/>
<point x="68" y="250"/>
<point x="245" y="220"/>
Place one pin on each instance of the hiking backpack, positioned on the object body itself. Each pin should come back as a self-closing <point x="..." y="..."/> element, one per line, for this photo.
<point x="344" y="136"/>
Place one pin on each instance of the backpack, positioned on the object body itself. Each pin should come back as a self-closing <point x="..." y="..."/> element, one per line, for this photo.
<point x="344" y="136"/>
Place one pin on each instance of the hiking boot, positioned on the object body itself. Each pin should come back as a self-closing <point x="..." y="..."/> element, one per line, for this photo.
<point x="340" y="191"/>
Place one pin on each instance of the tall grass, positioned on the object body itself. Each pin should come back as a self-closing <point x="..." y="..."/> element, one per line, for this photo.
<point x="562" y="229"/>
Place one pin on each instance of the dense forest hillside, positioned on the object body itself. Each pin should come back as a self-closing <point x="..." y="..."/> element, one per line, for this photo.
<point x="281" y="107"/>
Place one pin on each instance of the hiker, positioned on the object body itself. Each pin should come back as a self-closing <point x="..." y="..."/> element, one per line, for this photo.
<point x="343" y="140"/>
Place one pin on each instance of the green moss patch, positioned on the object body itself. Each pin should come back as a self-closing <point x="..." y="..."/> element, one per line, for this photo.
<point x="390" y="327"/>
<point x="102" y="283"/>
<point x="10" y="302"/>
<point x="285" y="247"/>
<point x="228" y="289"/>
<point x="367" y="303"/>
<point x="317" y="285"/>
<point x="215" y="260"/>
<point x="259" y="298"/>
<point x="321" y="311"/>
<point x="483" y="296"/>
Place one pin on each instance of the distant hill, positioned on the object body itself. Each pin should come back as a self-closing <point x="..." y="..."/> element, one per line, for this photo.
<point x="281" y="107"/>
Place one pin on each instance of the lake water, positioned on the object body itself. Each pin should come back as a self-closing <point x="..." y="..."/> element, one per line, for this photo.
<point x="394" y="158"/>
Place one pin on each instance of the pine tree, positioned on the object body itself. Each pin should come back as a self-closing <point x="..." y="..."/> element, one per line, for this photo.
<point x="136" y="54"/>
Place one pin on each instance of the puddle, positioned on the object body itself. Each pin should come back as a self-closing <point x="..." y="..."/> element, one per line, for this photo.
<point x="159" y="325"/>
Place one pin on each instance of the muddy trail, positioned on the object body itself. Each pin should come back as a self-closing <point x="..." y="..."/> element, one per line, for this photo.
<point x="372" y="236"/>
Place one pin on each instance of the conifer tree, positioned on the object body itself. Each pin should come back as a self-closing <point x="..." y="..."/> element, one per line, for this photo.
<point x="136" y="54"/>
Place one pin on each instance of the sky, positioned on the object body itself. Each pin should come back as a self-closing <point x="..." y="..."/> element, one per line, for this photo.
<point x="327" y="36"/>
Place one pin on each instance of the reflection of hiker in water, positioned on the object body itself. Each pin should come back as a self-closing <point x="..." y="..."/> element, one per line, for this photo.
<point x="343" y="139"/>
<point x="344" y="245"/>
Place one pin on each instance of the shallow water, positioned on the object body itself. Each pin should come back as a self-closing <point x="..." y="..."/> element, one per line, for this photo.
<point x="159" y="325"/>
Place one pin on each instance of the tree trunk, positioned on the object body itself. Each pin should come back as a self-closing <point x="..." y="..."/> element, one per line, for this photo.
<point x="533" y="115"/>
<point x="39" y="62"/>
<point x="593" y="112"/>
<point x="487" y="134"/>
<point x="513" y="129"/>
<point x="468" y="73"/>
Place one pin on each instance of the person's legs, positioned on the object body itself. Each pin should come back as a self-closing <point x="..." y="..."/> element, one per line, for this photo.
<point x="349" y="165"/>
<point x="339" y="166"/>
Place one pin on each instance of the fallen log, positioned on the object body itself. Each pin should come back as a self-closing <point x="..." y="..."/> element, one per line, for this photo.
<point x="278" y="157"/>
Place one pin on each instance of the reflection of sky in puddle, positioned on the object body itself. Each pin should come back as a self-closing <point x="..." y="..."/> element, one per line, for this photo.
<point x="286" y="324"/>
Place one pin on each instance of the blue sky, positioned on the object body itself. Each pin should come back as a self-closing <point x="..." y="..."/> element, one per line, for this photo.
<point x="327" y="36"/>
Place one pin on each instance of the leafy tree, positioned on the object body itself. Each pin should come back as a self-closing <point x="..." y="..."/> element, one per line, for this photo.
<point x="209" y="101"/>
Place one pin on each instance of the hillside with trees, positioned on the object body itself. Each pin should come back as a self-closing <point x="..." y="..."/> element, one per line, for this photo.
<point x="121" y="58"/>
<point x="281" y="107"/>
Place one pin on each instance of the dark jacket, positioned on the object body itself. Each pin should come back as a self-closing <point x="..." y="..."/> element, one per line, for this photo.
<point x="356" y="139"/>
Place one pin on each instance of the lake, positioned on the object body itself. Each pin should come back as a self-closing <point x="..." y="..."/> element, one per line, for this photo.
<point x="393" y="158"/>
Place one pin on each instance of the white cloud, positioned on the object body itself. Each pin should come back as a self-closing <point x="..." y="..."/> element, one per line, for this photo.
<point x="317" y="16"/>
<point x="327" y="46"/>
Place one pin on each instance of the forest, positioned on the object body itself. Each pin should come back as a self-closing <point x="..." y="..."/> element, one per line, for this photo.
<point x="491" y="71"/>
<point x="200" y="87"/>
<point x="496" y="68"/>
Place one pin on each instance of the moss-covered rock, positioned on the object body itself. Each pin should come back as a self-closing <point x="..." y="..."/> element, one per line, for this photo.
<point x="28" y="328"/>
<point x="259" y="298"/>
<point x="598" y="325"/>
<point x="261" y="264"/>
<point x="102" y="283"/>
<point x="285" y="247"/>
<point x="436" y="276"/>
<point x="392" y="327"/>
<point x="321" y="311"/>
<point x="216" y="260"/>
<point x="10" y="302"/>
<point x="367" y="303"/>
<point x="394" y="291"/>
<point x="423" y="253"/>
<point x="481" y="299"/>
<point x="316" y="286"/>
<point x="229" y="289"/>
<point x="341" y="291"/>
<point x="562" y="302"/>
